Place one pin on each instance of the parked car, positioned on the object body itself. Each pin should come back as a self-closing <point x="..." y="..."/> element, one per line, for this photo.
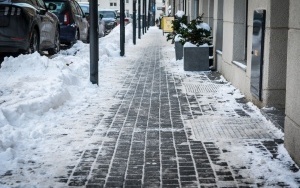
<point x="127" y="18"/>
<point x="101" y="24"/>
<point x="28" y="26"/>
<point x="73" y="23"/>
<point x="110" y="19"/>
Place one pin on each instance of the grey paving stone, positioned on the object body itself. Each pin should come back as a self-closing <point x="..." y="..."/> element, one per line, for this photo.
<point x="147" y="141"/>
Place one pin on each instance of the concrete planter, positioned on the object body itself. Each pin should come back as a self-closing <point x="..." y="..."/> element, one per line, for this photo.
<point x="196" y="58"/>
<point x="178" y="50"/>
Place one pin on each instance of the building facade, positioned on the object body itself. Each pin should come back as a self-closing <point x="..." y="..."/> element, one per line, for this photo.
<point x="256" y="48"/>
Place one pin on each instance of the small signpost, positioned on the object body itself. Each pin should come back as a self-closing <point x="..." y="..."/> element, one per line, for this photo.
<point x="166" y="24"/>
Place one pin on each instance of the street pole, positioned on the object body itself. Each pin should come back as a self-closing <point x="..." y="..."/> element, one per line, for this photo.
<point x="144" y="19"/>
<point x="139" y="19"/>
<point x="94" y="42"/>
<point x="134" y="21"/>
<point x="174" y="8"/>
<point x="122" y="28"/>
<point x="149" y="14"/>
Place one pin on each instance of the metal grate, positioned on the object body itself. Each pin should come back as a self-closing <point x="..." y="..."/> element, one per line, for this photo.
<point x="230" y="128"/>
<point x="202" y="88"/>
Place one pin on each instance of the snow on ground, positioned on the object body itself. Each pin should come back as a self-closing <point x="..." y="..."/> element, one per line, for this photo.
<point x="41" y="97"/>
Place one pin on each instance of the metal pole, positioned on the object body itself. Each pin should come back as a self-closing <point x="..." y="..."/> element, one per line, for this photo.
<point x="149" y="14"/>
<point x="144" y="16"/>
<point x="94" y="42"/>
<point x="122" y="28"/>
<point x="139" y="19"/>
<point x="174" y="8"/>
<point x="134" y="21"/>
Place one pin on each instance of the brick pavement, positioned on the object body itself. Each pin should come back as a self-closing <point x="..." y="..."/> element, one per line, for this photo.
<point x="162" y="132"/>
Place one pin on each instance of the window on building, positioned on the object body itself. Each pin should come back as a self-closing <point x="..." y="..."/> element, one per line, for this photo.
<point x="113" y="4"/>
<point x="246" y="31"/>
<point x="127" y="1"/>
<point x="240" y="41"/>
<point x="219" y="30"/>
<point x="195" y="10"/>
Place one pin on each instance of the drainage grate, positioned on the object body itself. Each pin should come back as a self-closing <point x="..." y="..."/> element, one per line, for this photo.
<point x="201" y="88"/>
<point x="230" y="128"/>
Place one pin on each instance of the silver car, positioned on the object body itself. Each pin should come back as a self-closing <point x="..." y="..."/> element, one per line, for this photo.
<point x="101" y="24"/>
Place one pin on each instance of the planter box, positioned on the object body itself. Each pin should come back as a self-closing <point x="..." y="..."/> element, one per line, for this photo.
<point x="196" y="58"/>
<point x="178" y="50"/>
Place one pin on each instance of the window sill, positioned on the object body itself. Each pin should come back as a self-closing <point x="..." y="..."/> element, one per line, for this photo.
<point x="219" y="52"/>
<point x="240" y="64"/>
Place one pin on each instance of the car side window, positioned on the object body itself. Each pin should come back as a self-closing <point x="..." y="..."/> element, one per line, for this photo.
<point x="79" y="10"/>
<point x="73" y="7"/>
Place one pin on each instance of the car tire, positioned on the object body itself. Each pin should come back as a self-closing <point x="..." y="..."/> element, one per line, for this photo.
<point x="56" y="48"/>
<point x="34" y="45"/>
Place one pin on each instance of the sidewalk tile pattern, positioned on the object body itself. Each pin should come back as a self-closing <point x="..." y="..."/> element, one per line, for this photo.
<point x="148" y="137"/>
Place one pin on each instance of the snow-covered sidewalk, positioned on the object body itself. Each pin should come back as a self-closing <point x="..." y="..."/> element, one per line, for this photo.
<point x="51" y="115"/>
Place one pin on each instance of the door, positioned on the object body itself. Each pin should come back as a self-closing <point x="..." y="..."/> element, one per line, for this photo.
<point x="259" y="17"/>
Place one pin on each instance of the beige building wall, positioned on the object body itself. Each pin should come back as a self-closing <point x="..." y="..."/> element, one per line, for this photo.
<point x="218" y="33"/>
<point x="281" y="80"/>
<point x="236" y="52"/>
<point x="233" y="51"/>
<point x="292" y="120"/>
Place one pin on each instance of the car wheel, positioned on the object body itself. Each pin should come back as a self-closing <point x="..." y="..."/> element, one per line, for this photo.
<point x="34" y="42"/>
<point x="56" y="48"/>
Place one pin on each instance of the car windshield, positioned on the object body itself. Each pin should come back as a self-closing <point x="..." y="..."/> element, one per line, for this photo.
<point x="85" y="8"/>
<point x="107" y="14"/>
<point x="60" y="6"/>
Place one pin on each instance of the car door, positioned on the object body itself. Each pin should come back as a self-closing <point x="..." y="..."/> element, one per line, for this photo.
<point x="47" y="25"/>
<point x="80" y="20"/>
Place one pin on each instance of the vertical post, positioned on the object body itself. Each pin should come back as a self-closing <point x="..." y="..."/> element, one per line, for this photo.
<point x="149" y="14"/>
<point x="139" y="19"/>
<point x="134" y="21"/>
<point x="144" y="14"/>
<point x="174" y="7"/>
<point x="94" y="42"/>
<point x="143" y="17"/>
<point x="122" y="28"/>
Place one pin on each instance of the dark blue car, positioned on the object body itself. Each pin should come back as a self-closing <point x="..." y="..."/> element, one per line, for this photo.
<point x="73" y="23"/>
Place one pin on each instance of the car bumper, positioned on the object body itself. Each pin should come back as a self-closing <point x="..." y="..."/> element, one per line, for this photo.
<point x="67" y="33"/>
<point x="13" y="45"/>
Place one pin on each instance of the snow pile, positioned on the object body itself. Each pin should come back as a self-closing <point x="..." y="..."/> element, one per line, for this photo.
<point x="179" y="13"/>
<point x="257" y="167"/>
<point x="37" y="93"/>
<point x="204" y="26"/>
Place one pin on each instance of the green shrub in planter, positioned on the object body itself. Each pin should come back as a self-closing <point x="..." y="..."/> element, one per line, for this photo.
<point x="196" y="32"/>
<point x="196" y="38"/>
<point x="178" y="25"/>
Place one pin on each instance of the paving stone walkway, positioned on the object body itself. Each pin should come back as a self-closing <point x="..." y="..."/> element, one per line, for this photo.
<point x="166" y="132"/>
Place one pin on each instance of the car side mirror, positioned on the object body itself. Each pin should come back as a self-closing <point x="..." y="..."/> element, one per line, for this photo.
<point x="101" y="16"/>
<point x="52" y="6"/>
